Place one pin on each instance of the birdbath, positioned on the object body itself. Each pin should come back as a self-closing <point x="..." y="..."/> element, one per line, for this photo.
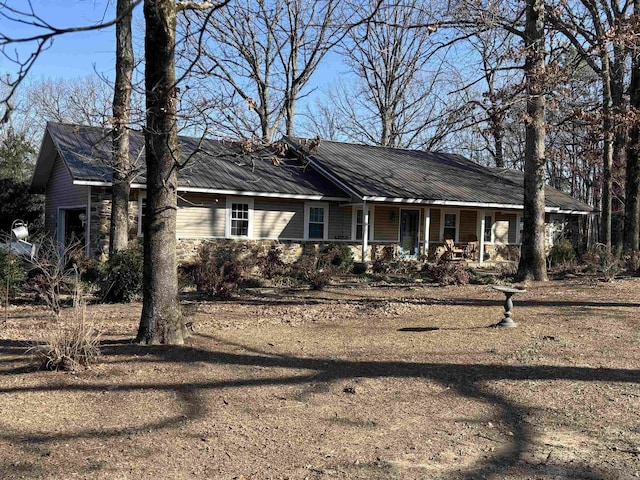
<point x="508" y="304"/>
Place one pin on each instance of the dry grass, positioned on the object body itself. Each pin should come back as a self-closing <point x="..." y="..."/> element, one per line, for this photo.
<point x="381" y="382"/>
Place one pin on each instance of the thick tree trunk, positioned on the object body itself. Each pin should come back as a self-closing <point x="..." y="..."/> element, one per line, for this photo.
<point x="532" y="259"/>
<point x="161" y="320"/>
<point x="122" y="166"/>
<point x="632" y="208"/>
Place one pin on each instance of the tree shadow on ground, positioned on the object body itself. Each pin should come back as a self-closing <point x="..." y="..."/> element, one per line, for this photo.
<point x="468" y="380"/>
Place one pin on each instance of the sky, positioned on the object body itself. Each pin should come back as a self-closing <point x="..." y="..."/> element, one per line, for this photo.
<point x="79" y="54"/>
<point x="73" y="54"/>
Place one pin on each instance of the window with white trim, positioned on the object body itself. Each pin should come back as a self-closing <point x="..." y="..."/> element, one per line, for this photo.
<point x="450" y="228"/>
<point x="239" y="217"/>
<point x="316" y="223"/>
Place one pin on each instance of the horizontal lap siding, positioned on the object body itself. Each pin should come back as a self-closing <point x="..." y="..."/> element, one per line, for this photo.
<point x="339" y="222"/>
<point x="434" y="228"/>
<point x="468" y="226"/>
<point x="61" y="192"/>
<point x="386" y="229"/>
<point x="200" y="216"/>
<point x="278" y="219"/>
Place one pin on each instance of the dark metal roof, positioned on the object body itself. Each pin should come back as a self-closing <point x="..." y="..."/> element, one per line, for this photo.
<point x="553" y="197"/>
<point x="430" y="177"/>
<point x="212" y="164"/>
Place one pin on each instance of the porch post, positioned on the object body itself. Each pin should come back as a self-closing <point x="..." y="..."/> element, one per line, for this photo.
<point x="365" y="231"/>
<point x="427" y="226"/>
<point x="481" y="238"/>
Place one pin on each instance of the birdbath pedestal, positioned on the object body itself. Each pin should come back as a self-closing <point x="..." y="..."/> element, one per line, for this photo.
<point x="508" y="304"/>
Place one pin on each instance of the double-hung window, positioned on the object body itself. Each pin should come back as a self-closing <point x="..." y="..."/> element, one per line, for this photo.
<point x="239" y="217"/>
<point x="450" y="226"/>
<point x="316" y="221"/>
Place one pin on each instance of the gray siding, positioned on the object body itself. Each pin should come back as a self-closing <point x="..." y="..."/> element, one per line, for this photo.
<point x="61" y="192"/>
<point x="200" y="216"/>
<point x="339" y="222"/>
<point x="278" y="219"/>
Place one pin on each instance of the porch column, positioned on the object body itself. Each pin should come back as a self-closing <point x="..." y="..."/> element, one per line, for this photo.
<point x="365" y="231"/>
<point x="481" y="238"/>
<point x="427" y="226"/>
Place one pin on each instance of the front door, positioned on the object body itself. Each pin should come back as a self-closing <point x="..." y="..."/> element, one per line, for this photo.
<point x="409" y="227"/>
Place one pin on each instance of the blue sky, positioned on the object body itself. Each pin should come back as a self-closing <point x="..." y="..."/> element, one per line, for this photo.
<point x="74" y="54"/>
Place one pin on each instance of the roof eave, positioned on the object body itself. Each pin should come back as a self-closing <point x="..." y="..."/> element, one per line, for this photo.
<point x="217" y="191"/>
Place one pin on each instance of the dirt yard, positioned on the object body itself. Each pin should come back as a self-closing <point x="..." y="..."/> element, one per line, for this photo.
<point x="353" y="382"/>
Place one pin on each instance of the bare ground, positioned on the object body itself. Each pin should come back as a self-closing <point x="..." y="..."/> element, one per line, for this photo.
<point x="355" y="382"/>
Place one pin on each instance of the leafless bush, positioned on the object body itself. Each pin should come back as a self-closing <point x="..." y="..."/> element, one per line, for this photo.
<point x="54" y="271"/>
<point x="73" y="344"/>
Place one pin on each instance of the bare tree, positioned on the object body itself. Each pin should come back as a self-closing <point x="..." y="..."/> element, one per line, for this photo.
<point x="38" y="40"/>
<point x="161" y="319"/>
<point x="532" y="258"/>
<point x="593" y="28"/>
<point x="501" y="78"/>
<point x="123" y="167"/>
<point x="632" y="194"/>
<point x="394" y="99"/>
<point x="261" y="53"/>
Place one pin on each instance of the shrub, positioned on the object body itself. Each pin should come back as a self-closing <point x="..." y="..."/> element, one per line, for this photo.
<point x="632" y="262"/>
<point x="380" y="266"/>
<point x="562" y="252"/>
<point x="271" y="264"/>
<point x="507" y="270"/>
<point x="219" y="270"/>
<point x="121" y="276"/>
<point x="359" y="268"/>
<point x="601" y="263"/>
<point x="338" y="255"/>
<point x="69" y="347"/>
<point x="308" y="269"/>
<point x="54" y="272"/>
<point x="447" y="273"/>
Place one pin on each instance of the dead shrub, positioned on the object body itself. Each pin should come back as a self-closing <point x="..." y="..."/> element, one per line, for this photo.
<point x="447" y="273"/>
<point x="219" y="270"/>
<point x="601" y="263"/>
<point x="72" y="345"/>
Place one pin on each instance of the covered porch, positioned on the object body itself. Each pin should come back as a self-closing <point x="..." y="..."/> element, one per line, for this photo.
<point x="477" y="234"/>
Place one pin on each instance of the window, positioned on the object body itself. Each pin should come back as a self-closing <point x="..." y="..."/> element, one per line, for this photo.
<point x="450" y="226"/>
<point x="316" y="221"/>
<point x="239" y="217"/>
<point x="360" y="223"/>
<point x="239" y="220"/>
<point x="142" y="212"/>
<point x="488" y="227"/>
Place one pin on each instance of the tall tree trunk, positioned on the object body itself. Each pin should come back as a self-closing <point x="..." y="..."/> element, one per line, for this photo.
<point x="532" y="259"/>
<point x="122" y="165"/>
<point x="161" y="320"/>
<point x="618" y="74"/>
<point x="607" y="157"/>
<point x="632" y="208"/>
